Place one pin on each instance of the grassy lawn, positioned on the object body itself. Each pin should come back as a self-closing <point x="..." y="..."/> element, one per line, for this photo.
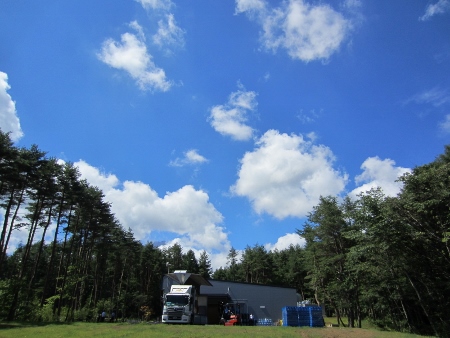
<point x="112" y="330"/>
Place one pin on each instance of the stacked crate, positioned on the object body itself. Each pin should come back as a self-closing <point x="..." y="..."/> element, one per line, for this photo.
<point x="290" y="316"/>
<point x="264" y="322"/>
<point x="316" y="316"/>
<point x="302" y="316"/>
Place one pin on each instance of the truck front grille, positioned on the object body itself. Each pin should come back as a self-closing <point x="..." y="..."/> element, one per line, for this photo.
<point x="174" y="314"/>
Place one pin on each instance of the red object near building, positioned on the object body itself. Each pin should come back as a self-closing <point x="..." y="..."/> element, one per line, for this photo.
<point x="234" y="320"/>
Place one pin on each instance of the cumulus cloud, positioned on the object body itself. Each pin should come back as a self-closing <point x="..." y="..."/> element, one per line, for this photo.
<point x="131" y="55"/>
<point x="379" y="173"/>
<point x="95" y="177"/>
<point x="229" y="119"/>
<point x="9" y="121"/>
<point x="285" y="242"/>
<point x="186" y="213"/>
<point x="307" y="32"/>
<point x="440" y="7"/>
<point x="218" y="259"/>
<point x="191" y="157"/>
<point x="285" y="175"/>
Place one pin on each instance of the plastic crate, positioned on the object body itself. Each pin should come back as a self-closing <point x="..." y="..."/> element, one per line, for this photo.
<point x="302" y="316"/>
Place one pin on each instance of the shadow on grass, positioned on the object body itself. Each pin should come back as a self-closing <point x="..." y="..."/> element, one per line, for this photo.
<point x="18" y="325"/>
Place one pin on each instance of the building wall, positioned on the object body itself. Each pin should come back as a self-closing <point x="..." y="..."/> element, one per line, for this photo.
<point x="263" y="301"/>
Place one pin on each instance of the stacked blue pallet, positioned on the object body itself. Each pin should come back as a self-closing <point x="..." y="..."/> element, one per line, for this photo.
<point x="264" y="322"/>
<point x="316" y="316"/>
<point x="302" y="316"/>
<point x="290" y="316"/>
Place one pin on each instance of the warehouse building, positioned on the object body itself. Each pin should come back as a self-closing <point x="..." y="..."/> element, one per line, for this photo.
<point x="263" y="302"/>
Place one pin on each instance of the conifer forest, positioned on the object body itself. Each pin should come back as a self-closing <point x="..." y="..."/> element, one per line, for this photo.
<point x="378" y="258"/>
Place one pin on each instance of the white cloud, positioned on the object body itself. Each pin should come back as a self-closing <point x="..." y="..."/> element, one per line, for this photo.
<point x="218" y="259"/>
<point x="379" y="173"/>
<point x="439" y="7"/>
<point x="132" y="56"/>
<point x="95" y="177"/>
<point x="352" y="4"/>
<point x="312" y="136"/>
<point x="190" y="157"/>
<point x="434" y="96"/>
<point x="285" y="175"/>
<point x="309" y="117"/>
<point x="250" y="5"/>
<point x="186" y="213"/>
<point x="194" y="157"/>
<point x="285" y="241"/>
<point x="169" y="33"/>
<point x="307" y="32"/>
<point x="138" y="28"/>
<point x="156" y="4"/>
<point x="9" y="121"/>
<point x="445" y="125"/>
<point x="434" y="99"/>
<point x="229" y="119"/>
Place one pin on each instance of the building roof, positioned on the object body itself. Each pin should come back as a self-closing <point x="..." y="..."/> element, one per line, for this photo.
<point x="188" y="278"/>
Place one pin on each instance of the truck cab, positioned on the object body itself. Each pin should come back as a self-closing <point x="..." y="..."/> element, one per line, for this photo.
<point x="178" y="305"/>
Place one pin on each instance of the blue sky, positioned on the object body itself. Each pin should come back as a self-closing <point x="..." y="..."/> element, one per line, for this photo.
<point x="220" y="123"/>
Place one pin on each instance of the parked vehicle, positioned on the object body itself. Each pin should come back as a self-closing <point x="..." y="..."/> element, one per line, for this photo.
<point x="178" y="305"/>
<point x="235" y="313"/>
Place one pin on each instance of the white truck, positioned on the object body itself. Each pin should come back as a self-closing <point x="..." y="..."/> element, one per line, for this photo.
<point x="179" y="305"/>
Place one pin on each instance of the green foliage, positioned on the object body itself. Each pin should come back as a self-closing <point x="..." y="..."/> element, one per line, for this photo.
<point x="46" y="312"/>
<point x="190" y="262"/>
<point x="383" y="259"/>
<point x="6" y="296"/>
<point x="204" y="265"/>
<point x="386" y="258"/>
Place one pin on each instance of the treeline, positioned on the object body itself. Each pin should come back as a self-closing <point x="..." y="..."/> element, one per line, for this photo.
<point x="90" y="264"/>
<point x="258" y="265"/>
<point x="375" y="257"/>
<point x="381" y="258"/>
<point x="386" y="258"/>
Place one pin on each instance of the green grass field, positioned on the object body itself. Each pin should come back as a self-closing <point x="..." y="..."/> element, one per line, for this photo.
<point x="112" y="330"/>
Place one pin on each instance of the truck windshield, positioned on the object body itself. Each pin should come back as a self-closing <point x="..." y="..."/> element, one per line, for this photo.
<point x="172" y="300"/>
